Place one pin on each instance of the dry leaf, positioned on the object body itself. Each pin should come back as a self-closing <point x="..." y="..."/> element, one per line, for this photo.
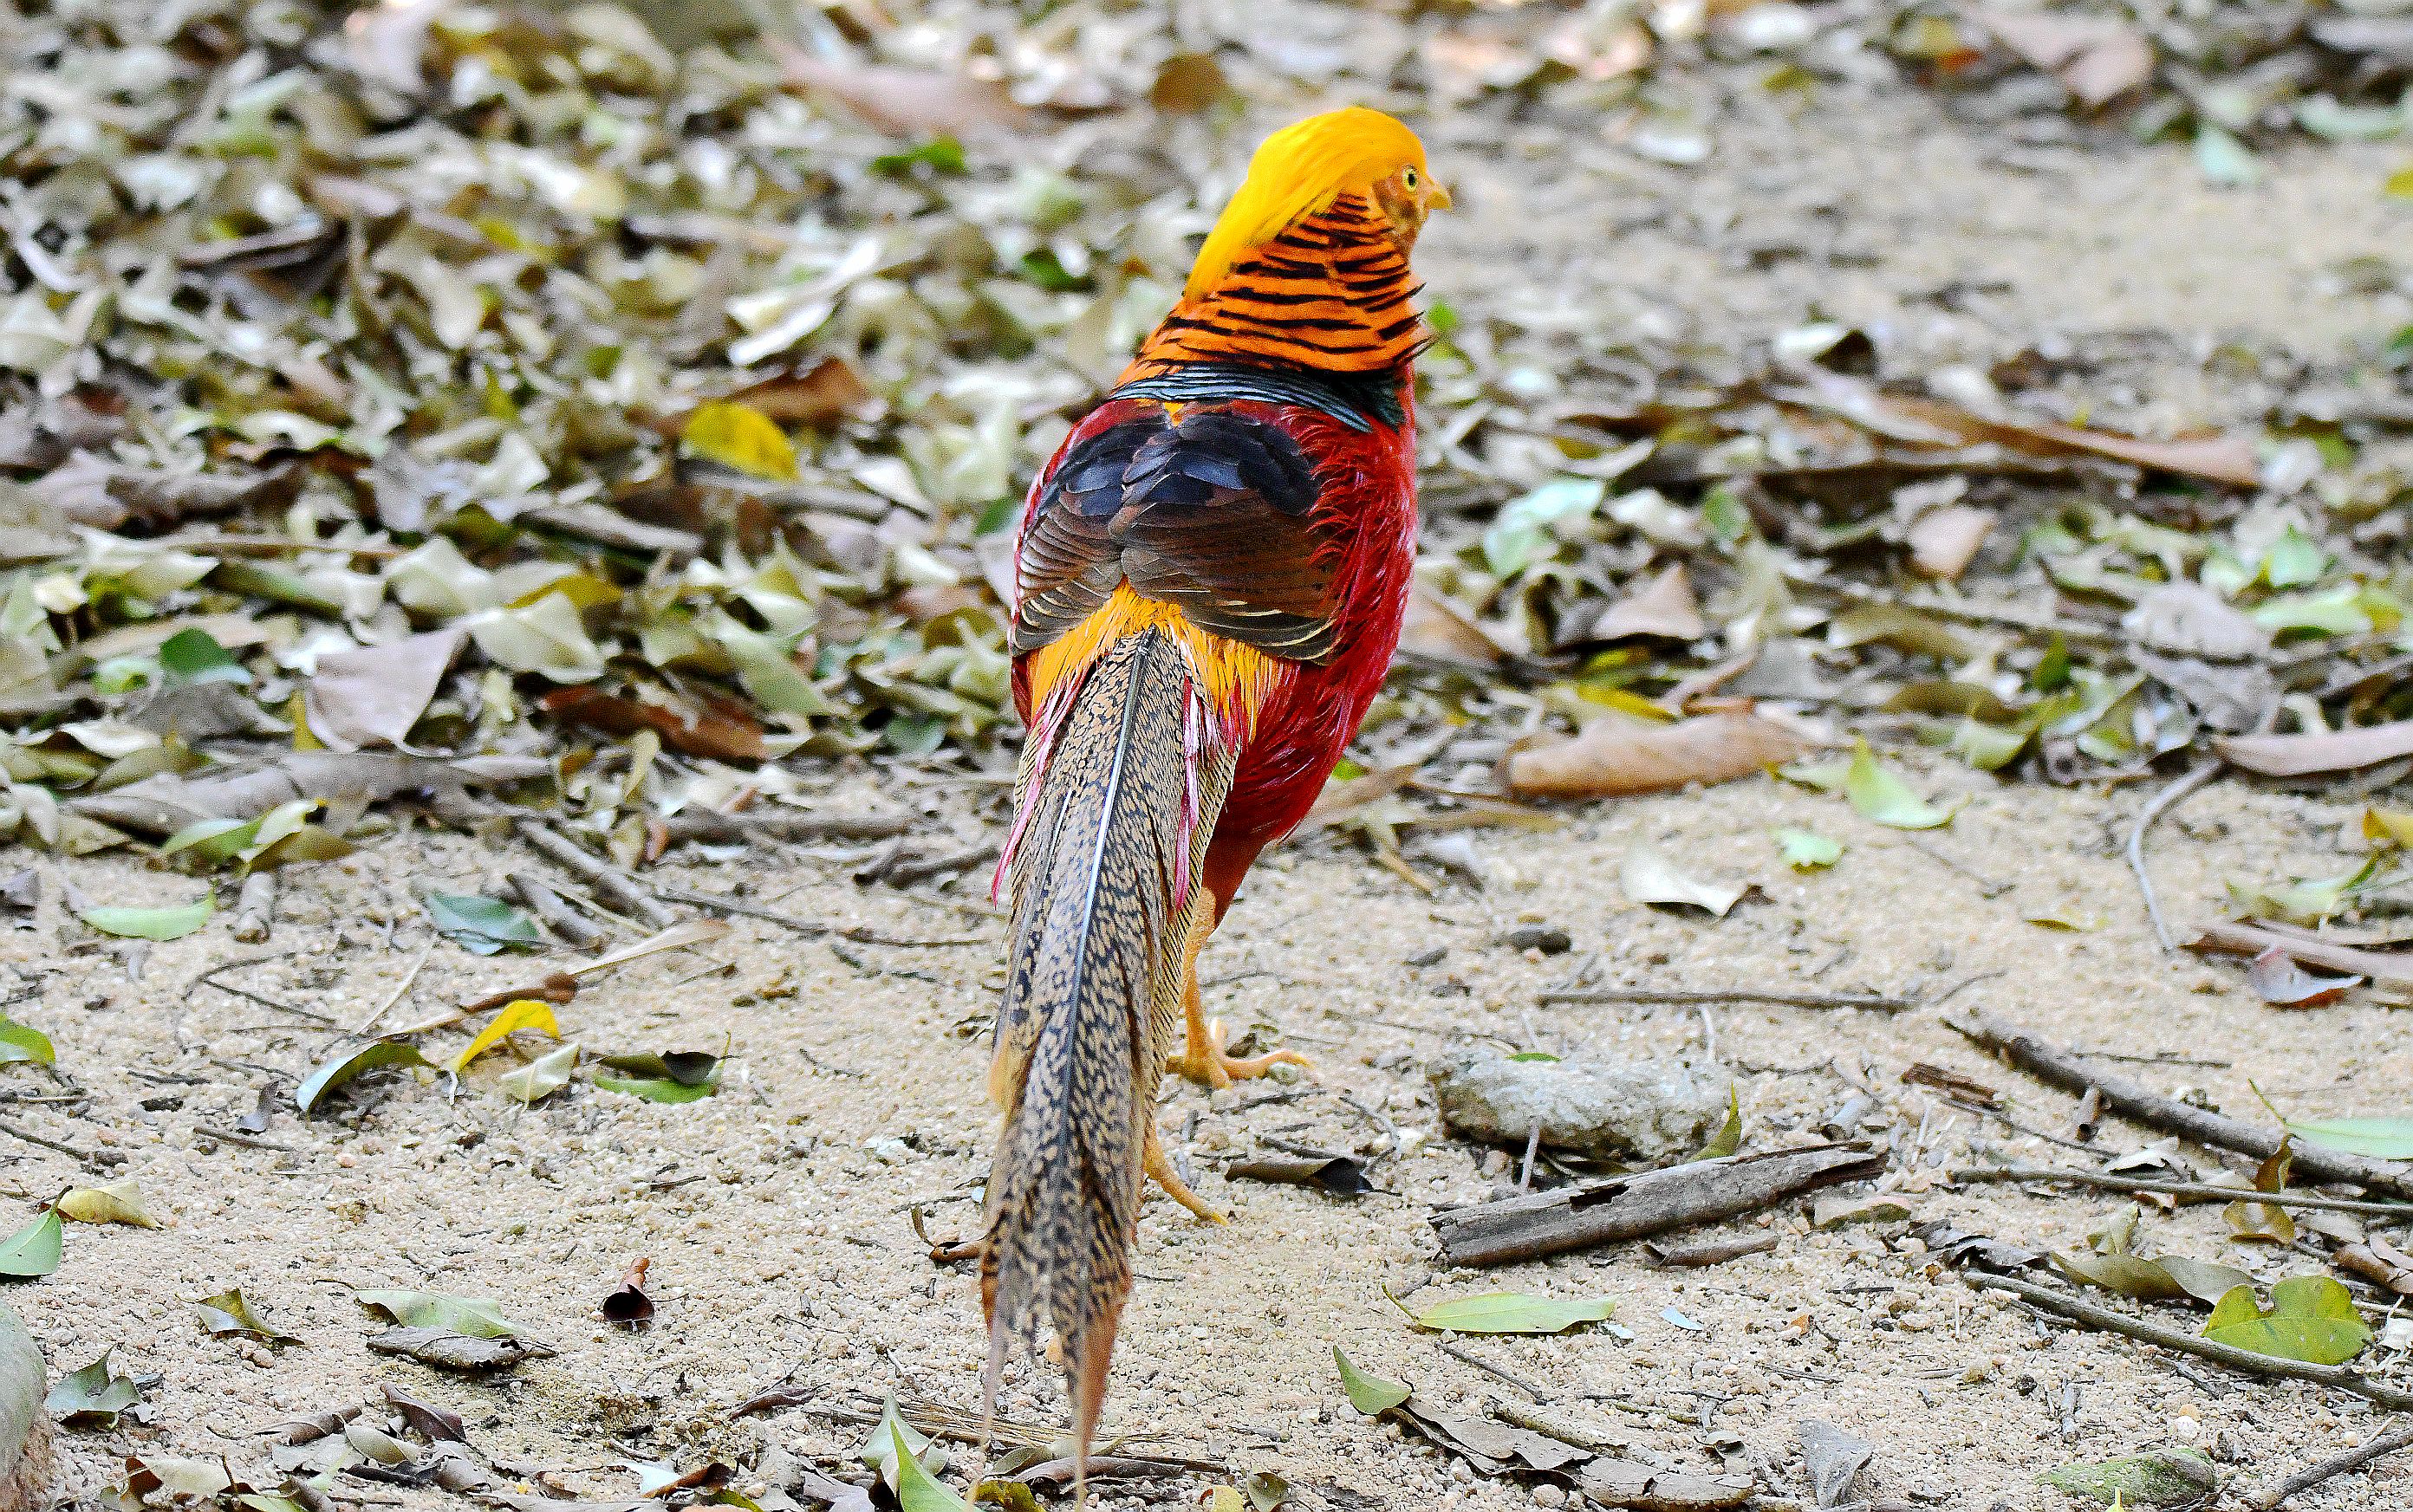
<point x="1663" y="607"/>
<point x="2319" y="751"/>
<point x="374" y="695"/>
<point x="1614" y="755"/>
<point x="1945" y="542"/>
<point x="2098" y="58"/>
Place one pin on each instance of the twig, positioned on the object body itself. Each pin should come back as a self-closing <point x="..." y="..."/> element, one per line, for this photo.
<point x="2066" y="1069"/>
<point x="600" y="875"/>
<point x="555" y="911"/>
<point x="255" y="908"/>
<point x="2181" y="1189"/>
<point x="783" y="824"/>
<point x="904" y="873"/>
<point x="1533" y="1147"/>
<point x="2053" y="1300"/>
<point x="2336" y="1464"/>
<point x="83" y="1157"/>
<point x="1470" y="1358"/>
<point x="209" y="978"/>
<point x="211" y="1131"/>
<point x="1649" y="1202"/>
<point x="1711" y="1252"/>
<point x="393" y="1000"/>
<point x="2153" y="809"/>
<point x="1689" y="995"/>
<point x="714" y="903"/>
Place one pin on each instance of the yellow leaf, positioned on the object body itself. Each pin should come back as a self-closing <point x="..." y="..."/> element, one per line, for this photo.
<point x="119" y="1202"/>
<point x="1227" y="1499"/>
<point x="2399" y="184"/>
<point x="524" y="1013"/>
<point x="2390" y="827"/>
<point x="741" y="437"/>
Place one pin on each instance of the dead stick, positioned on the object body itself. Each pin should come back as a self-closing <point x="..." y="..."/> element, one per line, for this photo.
<point x="2067" y="1069"/>
<point x="555" y="911"/>
<point x="2053" y="1300"/>
<point x="1713" y="1251"/>
<point x="1469" y="1358"/>
<point x="82" y="1157"/>
<point x="776" y="824"/>
<point x="2181" y="1189"/>
<point x="1715" y="995"/>
<point x="2154" y="810"/>
<point x="211" y="1131"/>
<point x="715" y="903"/>
<point x="2312" y="1475"/>
<point x="256" y="907"/>
<point x="600" y="875"/>
<point x="1651" y="1202"/>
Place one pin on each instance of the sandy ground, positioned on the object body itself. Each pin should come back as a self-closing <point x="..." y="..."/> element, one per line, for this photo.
<point x="775" y="1215"/>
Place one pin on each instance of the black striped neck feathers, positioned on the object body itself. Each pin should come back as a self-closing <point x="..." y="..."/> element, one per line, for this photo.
<point x="1330" y="293"/>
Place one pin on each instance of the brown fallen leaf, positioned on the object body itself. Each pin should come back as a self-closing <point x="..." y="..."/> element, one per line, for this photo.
<point x="1953" y="1083"/>
<point x="2378" y="1260"/>
<point x="627" y="1305"/>
<point x="720" y="731"/>
<point x="2278" y="981"/>
<point x="820" y="396"/>
<point x="2097" y="58"/>
<point x="1945" y="542"/>
<point x="374" y="694"/>
<point x="1920" y="421"/>
<point x="2317" y="751"/>
<point x="457" y="1351"/>
<point x="1613" y="755"/>
<point x="1665" y="607"/>
<point x="2384" y="967"/>
<point x="438" y="1423"/>
<point x="908" y="101"/>
<point x="1435" y="631"/>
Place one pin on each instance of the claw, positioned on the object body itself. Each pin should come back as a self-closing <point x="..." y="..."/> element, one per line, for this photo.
<point x="1159" y="1165"/>
<point x="1205" y="1062"/>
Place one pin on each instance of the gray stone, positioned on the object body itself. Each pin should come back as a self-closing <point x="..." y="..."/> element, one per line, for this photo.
<point x="1637" y="1110"/>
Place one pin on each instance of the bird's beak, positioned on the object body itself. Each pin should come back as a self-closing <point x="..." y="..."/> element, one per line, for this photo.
<point x="1437" y="197"/>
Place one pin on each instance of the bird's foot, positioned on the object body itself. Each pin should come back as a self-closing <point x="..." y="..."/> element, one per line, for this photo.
<point x="1205" y="1062"/>
<point x="1159" y="1165"/>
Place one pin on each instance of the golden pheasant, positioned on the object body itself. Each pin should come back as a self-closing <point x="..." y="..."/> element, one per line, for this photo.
<point x="1210" y="577"/>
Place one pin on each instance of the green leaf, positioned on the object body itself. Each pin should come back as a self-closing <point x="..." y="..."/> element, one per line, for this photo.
<point x="2310" y="1319"/>
<point x="940" y="154"/>
<point x="363" y="1056"/>
<point x="1509" y="1312"/>
<point x="1528" y="528"/>
<point x="475" y="1316"/>
<point x="195" y="656"/>
<point x="2399" y="185"/>
<point x="2166" y="1477"/>
<point x="1881" y="795"/>
<point x="2380" y="1138"/>
<point x="22" y="1042"/>
<point x="1806" y="851"/>
<point x="230" y="1313"/>
<point x="93" y="1395"/>
<point x="688" y="1068"/>
<point x="740" y="436"/>
<point x="917" y="1490"/>
<point x="659" y="1089"/>
<point x="2293" y="560"/>
<point x="1370" y="1394"/>
<point x="33" y="1250"/>
<point x="2224" y="160"/>
<point x="214" y="841"/>
<point x="483" y="926"/>
<point x="1729" y="1135"/>
<point x="172" y="922"/>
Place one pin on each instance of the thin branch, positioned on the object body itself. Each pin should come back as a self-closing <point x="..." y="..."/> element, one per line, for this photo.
<point x="2336" y="1464"/>
<point x="1692" y="995"/>
<point x="715" y="903"/>
<point x="2182" y="1189"/>
<point x="2153" y="809"/>
<point x="1469" y="1358"/>
<point x="2053" y="1299"/>
<point x="83" y="1157"/>
<point x="395" y="999"/>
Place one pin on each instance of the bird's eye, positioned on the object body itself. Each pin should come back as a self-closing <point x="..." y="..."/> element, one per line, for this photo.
<point x="1408" y="178"/>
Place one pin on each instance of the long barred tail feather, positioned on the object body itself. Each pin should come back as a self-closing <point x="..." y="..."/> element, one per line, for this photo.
<point x="1103" y="906"/>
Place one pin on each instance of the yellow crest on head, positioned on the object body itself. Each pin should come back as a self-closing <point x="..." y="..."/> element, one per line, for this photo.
<point x="1299" y="170"/>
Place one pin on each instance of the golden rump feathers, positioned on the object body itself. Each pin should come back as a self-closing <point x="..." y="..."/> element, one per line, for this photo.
<point x="1303" y="168"/>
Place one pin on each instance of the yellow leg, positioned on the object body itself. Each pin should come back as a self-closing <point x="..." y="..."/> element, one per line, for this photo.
<point x="1202" y="1059"/>
<point x="1159" y="1165"/>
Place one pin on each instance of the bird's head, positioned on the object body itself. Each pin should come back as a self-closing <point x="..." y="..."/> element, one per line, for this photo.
<point x="1304" y="169"/>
